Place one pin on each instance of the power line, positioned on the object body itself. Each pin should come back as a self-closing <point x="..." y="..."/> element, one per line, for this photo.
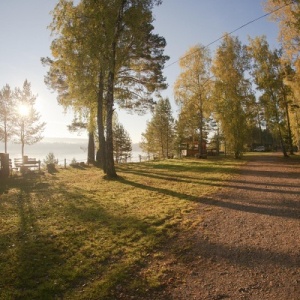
<point x="233" y="31"/>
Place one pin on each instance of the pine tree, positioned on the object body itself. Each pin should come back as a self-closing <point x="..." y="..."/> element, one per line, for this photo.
<point x="121" y="142"/>
<point x="159" y="136"/>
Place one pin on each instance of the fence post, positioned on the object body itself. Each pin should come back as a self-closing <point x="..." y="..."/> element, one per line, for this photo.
<point x="65" y="163"/>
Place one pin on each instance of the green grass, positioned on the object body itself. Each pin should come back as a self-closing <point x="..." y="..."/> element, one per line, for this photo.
<point x="75" y="235"/>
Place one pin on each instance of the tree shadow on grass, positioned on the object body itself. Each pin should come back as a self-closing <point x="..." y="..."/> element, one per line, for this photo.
<point x="216" y="182"/>
<point x="73" y="254"/>
<point x="86" y="222"/>
<point x="125" y="242"/>
<point x="222" y="202"/>
<point x="35" y="253"/>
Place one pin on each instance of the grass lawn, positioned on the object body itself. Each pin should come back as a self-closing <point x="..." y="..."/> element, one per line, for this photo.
<point x="75" y="235"/>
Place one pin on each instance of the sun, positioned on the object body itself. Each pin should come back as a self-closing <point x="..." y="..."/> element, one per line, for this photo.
<point x="23" y="110"/>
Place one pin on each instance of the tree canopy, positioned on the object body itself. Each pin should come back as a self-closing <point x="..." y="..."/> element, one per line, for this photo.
<point x="233" y="93"/>
<point x="192" y="92"/>
<point x="109" y="49"/>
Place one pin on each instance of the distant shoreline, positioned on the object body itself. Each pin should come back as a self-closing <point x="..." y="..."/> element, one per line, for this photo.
<point x="63" y="149"/>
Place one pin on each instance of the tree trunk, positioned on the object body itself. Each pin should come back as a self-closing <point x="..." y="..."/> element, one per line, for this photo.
<point x="282" y="142"/>
<point x="101" y="162"/>
<point x="5" y="137"/>
<point x="91" y="149"/>
<point x="201" y="154"/>
<point x="280" y="133"/>
<point x="289" y="128"/>
<point x="110" y="171"/>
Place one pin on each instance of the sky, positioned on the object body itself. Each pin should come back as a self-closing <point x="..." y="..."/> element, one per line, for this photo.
<point x="25" y="38"/>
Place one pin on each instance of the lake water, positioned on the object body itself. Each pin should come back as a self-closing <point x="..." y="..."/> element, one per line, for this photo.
<point x="63" y="149"/>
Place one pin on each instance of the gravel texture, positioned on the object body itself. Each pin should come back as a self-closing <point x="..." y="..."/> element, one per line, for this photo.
<point x="248" y="244"/>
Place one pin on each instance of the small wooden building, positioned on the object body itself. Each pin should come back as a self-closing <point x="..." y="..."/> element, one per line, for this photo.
<point x="190" y="148"/>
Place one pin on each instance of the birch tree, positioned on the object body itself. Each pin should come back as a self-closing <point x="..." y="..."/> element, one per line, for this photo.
<point x="269" y="75"/>
<point x="192" y="89"/>
<point x="233" y="94"/>
<point x="287" y="14"/>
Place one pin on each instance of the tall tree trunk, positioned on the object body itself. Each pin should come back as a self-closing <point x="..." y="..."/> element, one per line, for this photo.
<point x="5" y="137"/>
<point x="280" y="136"/>
<point x="282" y="142"/>
<point x="109" y="155"/>
<point x="289" y="127"/>
<point x="110" y="171"/>
<point x="101" y="162"/>
<point x="201" y="152"/>
<point x="91" y="149"/>
<point x="22" y="138"/>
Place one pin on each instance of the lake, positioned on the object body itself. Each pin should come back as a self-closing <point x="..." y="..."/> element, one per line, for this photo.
<point x="63" y="149"/>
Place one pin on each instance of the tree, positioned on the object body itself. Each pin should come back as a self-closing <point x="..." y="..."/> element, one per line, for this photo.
<point x="269" y="75"/>
<point x="116" y="41"/>
<point x="28" y="126"/>
<point x="233" y="96"/>
<point x="159" y="136"/>
<point x="121" y="142"/>
<point x="7" y="112"/>
<point x="71" y="72"/>
<point x="192" y="89"/>
<point x="287" y="14"/>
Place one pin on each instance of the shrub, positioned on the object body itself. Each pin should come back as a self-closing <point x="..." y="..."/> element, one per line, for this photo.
<point x="50" y="159"/>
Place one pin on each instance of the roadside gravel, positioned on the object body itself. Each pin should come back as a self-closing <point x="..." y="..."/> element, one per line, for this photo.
<point x="248" y="245"/>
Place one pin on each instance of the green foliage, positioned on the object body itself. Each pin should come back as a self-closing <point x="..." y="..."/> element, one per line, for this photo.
<point x="121" y="142"/>
<point x="233" y="96"/>
<point x="269" y="75"/>
<point x="192" y="91"/>
<point x="105" y="52"/>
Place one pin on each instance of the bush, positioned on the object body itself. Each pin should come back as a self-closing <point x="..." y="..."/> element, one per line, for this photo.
<point x="50" y="159"/>
<point x="50" y="162"/>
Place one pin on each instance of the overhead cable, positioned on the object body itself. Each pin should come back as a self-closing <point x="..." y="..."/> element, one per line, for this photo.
<point x="233" y="31"/>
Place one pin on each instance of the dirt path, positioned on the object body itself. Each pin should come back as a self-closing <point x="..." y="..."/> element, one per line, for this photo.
<point x="248" y="245"/>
